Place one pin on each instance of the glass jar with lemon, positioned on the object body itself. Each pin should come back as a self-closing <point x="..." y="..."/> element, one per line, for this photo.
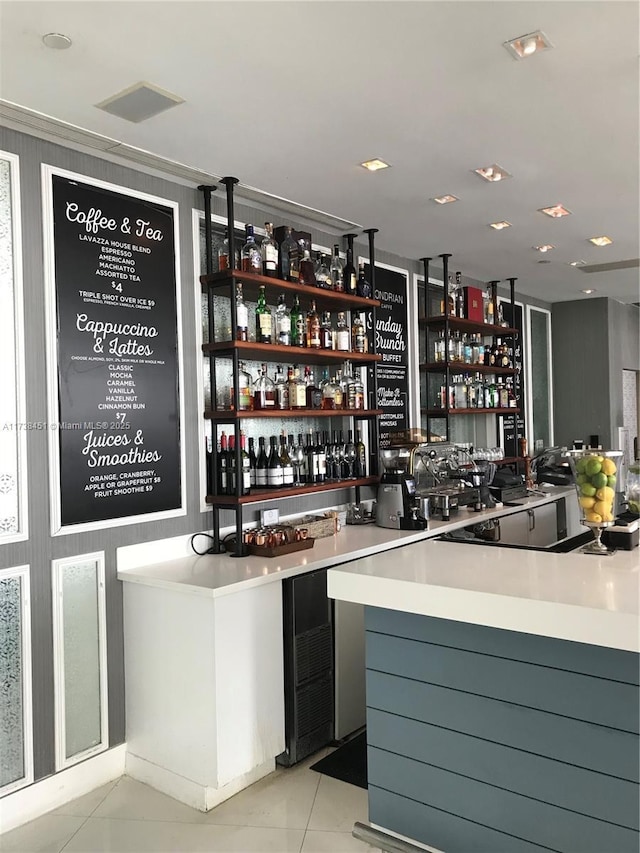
<point x="595" y="476"/>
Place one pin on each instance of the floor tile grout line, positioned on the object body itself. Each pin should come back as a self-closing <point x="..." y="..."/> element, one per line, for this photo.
<point x="73" y="835"/>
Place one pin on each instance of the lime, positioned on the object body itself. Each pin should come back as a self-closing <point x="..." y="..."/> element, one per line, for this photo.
<point x="592" y="467"/>
<point x="587" y="490"/>
<point x="581" y="478"/>
<point x="581" y="464"/>
<point x="611" y="481"/>
<point x="599" y="480"/>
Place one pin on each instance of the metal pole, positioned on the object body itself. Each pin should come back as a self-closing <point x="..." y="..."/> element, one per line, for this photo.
<point x="206" y="191"/>
<point x="231" y="234"/>
<point x="447" y="372"/>
<point x="425" y="267"/>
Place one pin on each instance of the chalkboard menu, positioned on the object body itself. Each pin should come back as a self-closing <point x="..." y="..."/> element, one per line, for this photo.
<point x="513" y="426"/>
<point x="115" y="284"/>
<point x="392" y="345"/>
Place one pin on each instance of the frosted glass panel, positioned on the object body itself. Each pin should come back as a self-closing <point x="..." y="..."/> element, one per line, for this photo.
<point x="540" y="378"/>
<point x="80" y="624"/>
<point x="12" y="746"/>
<point x="10" y="435"/>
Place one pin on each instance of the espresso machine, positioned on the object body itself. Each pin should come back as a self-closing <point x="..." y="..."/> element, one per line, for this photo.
<point x="397" y="505"/>
<point x="449" y="478"/>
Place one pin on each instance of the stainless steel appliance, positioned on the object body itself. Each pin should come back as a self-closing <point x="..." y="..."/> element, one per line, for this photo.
<point x="449" y="477"/>
<point x="397" y="505"/>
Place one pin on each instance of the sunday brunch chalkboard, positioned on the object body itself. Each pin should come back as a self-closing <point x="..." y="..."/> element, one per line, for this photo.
<point x="391" y="344"/>
<point x="115" y="283"/>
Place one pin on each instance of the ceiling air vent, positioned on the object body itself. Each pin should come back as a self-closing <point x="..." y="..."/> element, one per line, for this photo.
<point x="139" y="102"/>
<point x="616" y="265"/>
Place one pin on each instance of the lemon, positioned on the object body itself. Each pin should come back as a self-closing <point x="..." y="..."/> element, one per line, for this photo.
<point x="605" y="494"/>
<point x="602" y="508"/>
<point x="607" y="516"/>
<point x="592" y="467"/>
<point x="593" y="516"/>
<point x="608" y="467"/>
<point x="587" y="503"/>
<point x="599" y="480"/>
<point x="588" y="490"/>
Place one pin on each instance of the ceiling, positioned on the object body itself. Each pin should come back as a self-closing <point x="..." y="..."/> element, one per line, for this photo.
<point x="291" y="96"/>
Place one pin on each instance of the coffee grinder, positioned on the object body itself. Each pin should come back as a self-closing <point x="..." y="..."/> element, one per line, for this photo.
<point x="397" y="505"/>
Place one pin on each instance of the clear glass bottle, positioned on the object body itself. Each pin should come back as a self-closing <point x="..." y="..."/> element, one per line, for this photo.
<point x="358" y="335"/>
<point x="326" y="331"/>
<point x="269" y="252"/>
<point x="275" y="471"/>
<point x="321" y="463"/>
<point x="329" y="392"/>
<point x="360" y="465"/>
<point x="337" y="271"/>
<point x="282" y="323"/>
<point x="263" y="319"/>
<point x="479" y="391"/>
<point x="262" y="465"/>
<point x="503" y="395"/>
<point x="250" y="257"/>
<point x="306" y="273"/>
<point x="323" y="273"/>
<point x="313" y="327"/>
<point x="245" y="397"/>
<point x="467" y="346"/>
<point x="246" y="465"/>
<point x="289" y="258"/>
<point x="313" y="394"/>
<point x="285" y="461"/>
<point x="460" y="393"/>
<point x="298" y="324"/>
<point x="264" y="394"/>
<point x="363" y="286"/>
<point x="355" y="392"/>
<point x="282" y="389"/>
<point x="297" y="391"/>
<point x="342" y="333"/>
<point x="512" y="400"/>
<point x="242" y="315"/>
<point x="459" y="296"/>
<point x="223" y="253"/>
<point x="439" y="355"/>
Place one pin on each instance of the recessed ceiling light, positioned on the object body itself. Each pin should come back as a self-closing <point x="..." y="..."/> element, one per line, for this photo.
<point x="601" y="241"/>
<point x="555" y="212"/>
<point x="56" y="41"/>
<point x="492" y="173"/>
<point x="589" y="290"/>
<point x="500" y="225"/>
<point x="375" y="164"/>
<point x="445" y="199"/>
<point x="546" y="248"/>
<point x="524" y="46"/>
<point x="577" y="263"/>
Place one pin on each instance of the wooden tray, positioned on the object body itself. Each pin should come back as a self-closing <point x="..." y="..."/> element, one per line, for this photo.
<point x="278" y="550"/>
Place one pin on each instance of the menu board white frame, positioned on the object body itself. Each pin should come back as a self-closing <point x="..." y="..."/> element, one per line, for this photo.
<point x="53" y="408"/>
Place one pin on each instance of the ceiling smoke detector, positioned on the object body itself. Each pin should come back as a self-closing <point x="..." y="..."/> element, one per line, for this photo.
<point x="56" y="41"/>
<point x="524" y="46"/>
<point x="140" y="102"/>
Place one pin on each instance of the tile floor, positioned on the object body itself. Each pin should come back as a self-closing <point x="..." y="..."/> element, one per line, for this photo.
<point x="290" y="811"/>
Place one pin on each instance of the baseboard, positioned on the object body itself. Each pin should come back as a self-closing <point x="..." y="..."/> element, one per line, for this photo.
<point x="201" y="797"/>
<point x="54" y="791"/>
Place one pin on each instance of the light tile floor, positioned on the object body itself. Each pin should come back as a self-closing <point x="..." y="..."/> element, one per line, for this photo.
<point x="290" y="811"/>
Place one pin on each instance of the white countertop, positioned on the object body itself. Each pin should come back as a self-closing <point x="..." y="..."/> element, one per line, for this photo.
<point x="575" y="596"/>
<point x="216" y="575"/>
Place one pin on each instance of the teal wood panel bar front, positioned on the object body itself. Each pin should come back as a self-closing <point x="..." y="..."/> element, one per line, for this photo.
<point x="482" y="740"/>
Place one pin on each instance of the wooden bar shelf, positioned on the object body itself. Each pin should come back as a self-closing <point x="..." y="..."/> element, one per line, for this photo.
<point x="325" y="299"/>
<point x="435" y="413"/>
<point x="246" y="414"/>
<point x="457" y="324"/>
<point x="258" y="495"/>
<point x="289" y="355"/>
<point x="456" y="366"/>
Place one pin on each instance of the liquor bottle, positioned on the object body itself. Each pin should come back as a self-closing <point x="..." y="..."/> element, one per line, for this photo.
<point x="242" y="315"/>
<point x="282" y="323"/>
<point x="307" y="273"/>
<point x="313" y="327"/>
<point x="231" y="466"/>
<point x="460" y="393"/>
<point x="275" y="472"/>
<point x="337" y="271"/>
<point x="479" y="391"/>
<point x="263" y="319"/>
<point x="342" y="333"/>
<point x="360" y="465"/>
<point x="459" y="347"/>
<point x="459" y="296"/>
<point x="323" y="273"/>
<point x="250" y="258"/>
<point x="223" y="253"/>
<point x="439" y="355"/>
<point x="358" y="335"/>
<point x="338" y="394"/>
<point x="491" y="395"/>
<point x="289" y="258"/>
<point x="282" y="389"/>
<point x="493" y="358"/>
<point x="490" y="310"/>
<point x="246" y="466"/>
<point x="349" y="272"/>
<point x="262" y="465"/>
<point x="363" y="287"/>
<point x="264" y="394"/>
<point x="222" y="465"/>
<point x="269" y="252"/>
<point x="503" y="394"/>
<point x="313" y="394"/>
<point x="297" y="391"/>
<point x="245" y="397"/>
<point x="505" y="359"/>
<point x="350" y="453"/>
<point x="331" y="395"/>
<point x="321" y="456"/>
<point x="512" y="400"/>
<point x="467" y="346"/>
<point x="252" y="464"/>
<point x="486" y="358"/>
<point x="298" y="324"/>
<point x="285" y="461"/>
<point x="326" y="331"/>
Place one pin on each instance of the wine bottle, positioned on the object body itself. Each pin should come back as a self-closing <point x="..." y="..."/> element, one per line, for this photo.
<point x="285" y="461"/>
<point x="360" y="465"/>
<point x="246" y="466"/>
<point x="349" y="272"/>
<point x="222" y="465"/>
<point x="310" y="459"/>
<point x="363" y="287"/>
<point x="321" y="463"/>
<point x="252" y="464"/>
<point x="262" y="466"/>
<point x="231" y="466"/>
<point x="275" y="472"/>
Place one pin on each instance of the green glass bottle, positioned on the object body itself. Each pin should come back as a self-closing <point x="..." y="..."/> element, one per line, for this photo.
<point x="263" y="319"/>
<point x="298" y="325"/>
